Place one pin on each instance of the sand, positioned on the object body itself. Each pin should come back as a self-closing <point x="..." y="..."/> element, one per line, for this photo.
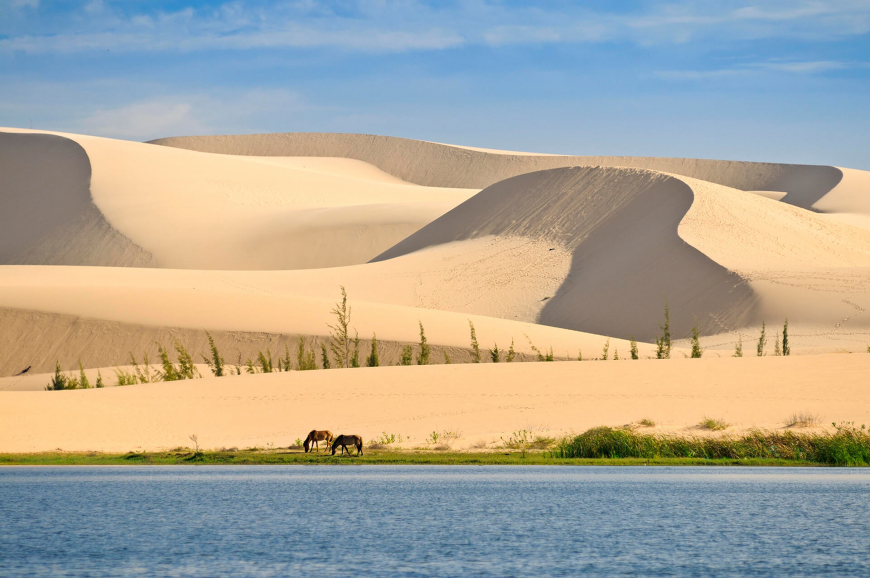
<point x="482" y="403"/>
<point x="109" y="248"/>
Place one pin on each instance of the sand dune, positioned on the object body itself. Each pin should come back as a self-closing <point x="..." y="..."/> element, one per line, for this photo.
<point x="438" y="165"/>
<point x="483" y="403"/>
<point x="172" y="208"/>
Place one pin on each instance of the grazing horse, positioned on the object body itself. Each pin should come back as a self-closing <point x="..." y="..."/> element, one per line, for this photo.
<point x="347" y="440"/>
<point x="317" y="436"/>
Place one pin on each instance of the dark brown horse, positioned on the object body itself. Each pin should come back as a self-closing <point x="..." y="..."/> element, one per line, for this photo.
<point x="317" y="436"/>
<point x="347" y="440"/>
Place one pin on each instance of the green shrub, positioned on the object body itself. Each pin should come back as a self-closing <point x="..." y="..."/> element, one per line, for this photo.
<point x="423" y="358"/>
<point x="495" y="354"/>
<point x="738" y="349"/>
<point x="634" y="354"/>
<point x="511" y="354"/>
<point x="265" y="361"/>
<point x="762" y="339"/>
<point x="99" y="383"/>
<point x="697" y="352"/>
<point x="215" y="362"/>
<point x="786" y="348"/>
<point x="83" y="379"/>
<point x="373" y="360"/>
<point x="713" y="424"/>
<point x="324" y="357"/>
<point x="407" y="355"/>
<point x="475" y="346"/>
<point x="663" y="342"/>
<point x="354" y="358"/>
<point x="58" y="380"/>
<point x="606" y="349"/>
<point x="340" y="335"/>
<point x="847" y="446"/>
<point x="304" y="356"/>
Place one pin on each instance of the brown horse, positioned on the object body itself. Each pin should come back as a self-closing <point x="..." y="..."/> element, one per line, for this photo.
<point x="317" y="436"/>
<point x="347" y="440"/>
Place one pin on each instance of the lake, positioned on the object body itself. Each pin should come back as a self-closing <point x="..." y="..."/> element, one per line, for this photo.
<point x="434" y="521"/>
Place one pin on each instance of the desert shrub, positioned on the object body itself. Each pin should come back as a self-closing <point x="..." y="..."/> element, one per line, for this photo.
<point x="324" y="357"/>
<point x="407" y="355"/>
<point x="605" y="349"/>
<point x="697" y="352"/>
<point x="304" y="356"/>
<point x="786" y="348"/>
<point x="99" y="383"/>
<point x="762" y="339"/>
<point x="738" y="349"/>
<point x="215" y="362"/>
<point x="423" y="357"/>
<point x="58" y="380"/>
<point x="646" y="422"/>
<point x="265" y="361"/>
<point x="125" y="377"/>
<point x="373" y="360"/>
<point x="579" y="355"/>
<point x="144" y="374"/>
<point x="354" y="357"/>
<point x="83" y="379"/>
<point x="511" y="354"/>
<point x="446" y="359"/>
<point x="250" y="367"/>
<point x="340" y="335"/>
<point x="713" y="424"/>
<point x="634" y="354"/>
<point x="777" y="350"/>
<point x="541" y="356"/>
<point x="284" y="363"/>
<point x="615" y="355"/>
<point x="663" y="341"/>
<point x="495" y="354"/>
<point x="803" y="419"/>
<point x="475" y="346"/>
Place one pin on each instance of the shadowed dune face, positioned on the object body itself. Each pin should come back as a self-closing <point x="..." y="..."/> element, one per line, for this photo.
<point x="627" y="257"/>
<point x="439" y="165"/>
<point x="46" y="213"/>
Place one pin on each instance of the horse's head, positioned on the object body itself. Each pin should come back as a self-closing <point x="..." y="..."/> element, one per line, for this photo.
<point x="306" y="444"/>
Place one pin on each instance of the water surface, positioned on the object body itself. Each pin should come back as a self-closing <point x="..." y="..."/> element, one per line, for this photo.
<point x="433" y="521"/>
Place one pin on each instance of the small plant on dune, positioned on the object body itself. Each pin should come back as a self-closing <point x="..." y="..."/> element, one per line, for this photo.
<point x="541" y="356"/>
<point x="373" y="360"/>
<point x="713" y="424"/>
<point x="663" y="341"/>
<point x="304" y="356"/>
<point x="144" y="374"/>
<point x="579" y="355"/>
<point x="324" y="357"/>
<point x="762" y="339"/>
<point x="407" y="355"/>
<point x="340" y="335"/>
<point x="99" y="383"/>
<point x="605" y="350"/>
<point x="58" y="380"/>
<point x="215" y="362"/>
<point x="284" y="364"/>
<point x="423" y="357"/>
<point x="475" y="346"/>
<point x="446" y="359"/>
<point x="634" y="354"/>
<point x="646" y="422"/>
<point x="83" y="379"/>
<point x="433" y="438"/>
<point x="697" y="352"/>
<point x="354" y="357"/>
<point x="185" y="370"/>
<point x="803" y="419"/>
<point x="738" y="349"/>
<point x="786" y="348"/>
<point x="265" y="361"/>
<point x="388" y="439"/>
<point x="495" y="354"/>
<point x="251" y="368"/>
<point x="777" y="350"/>
<point x="511" y="354"/>
<point x="615" y="355"/>
<point x="125" y="377"/>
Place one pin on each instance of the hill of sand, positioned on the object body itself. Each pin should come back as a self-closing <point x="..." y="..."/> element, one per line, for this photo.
<point x="109" y="248"/>
<point x="481" y="403"/>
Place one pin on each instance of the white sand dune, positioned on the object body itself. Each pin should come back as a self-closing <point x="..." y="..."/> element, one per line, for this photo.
<point x="483" y="403"/>
<point x="110" y="247"/>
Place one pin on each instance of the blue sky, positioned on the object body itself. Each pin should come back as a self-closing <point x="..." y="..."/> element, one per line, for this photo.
<point x="785" y="81"/>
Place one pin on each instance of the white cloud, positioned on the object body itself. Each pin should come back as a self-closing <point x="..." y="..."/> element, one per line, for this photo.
<point x="755" y="68"/>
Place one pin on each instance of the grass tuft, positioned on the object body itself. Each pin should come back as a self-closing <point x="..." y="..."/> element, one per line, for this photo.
<point x="713" y="424"/>
<point x="803" y="419"/>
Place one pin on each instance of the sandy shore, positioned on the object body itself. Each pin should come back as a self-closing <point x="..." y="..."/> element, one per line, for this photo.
<point x="482" y="403"/>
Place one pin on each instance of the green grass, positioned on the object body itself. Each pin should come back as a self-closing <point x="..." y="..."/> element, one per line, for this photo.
<point x="846" y="446"/>
<point x="371" y="457"/>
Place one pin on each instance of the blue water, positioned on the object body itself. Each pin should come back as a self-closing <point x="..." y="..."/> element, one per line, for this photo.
<point x="433" y="521"/>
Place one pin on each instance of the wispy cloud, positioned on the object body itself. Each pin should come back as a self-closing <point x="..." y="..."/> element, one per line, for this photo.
<point x="409" y="25"/>
<point x="755" y="68"/>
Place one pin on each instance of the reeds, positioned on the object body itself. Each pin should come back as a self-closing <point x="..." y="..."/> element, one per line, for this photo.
<point x="846" y="446"/>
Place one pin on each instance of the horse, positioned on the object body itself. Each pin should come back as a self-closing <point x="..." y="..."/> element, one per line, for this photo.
<point x="348" y="440"/>
<point x="317" y="436"/>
